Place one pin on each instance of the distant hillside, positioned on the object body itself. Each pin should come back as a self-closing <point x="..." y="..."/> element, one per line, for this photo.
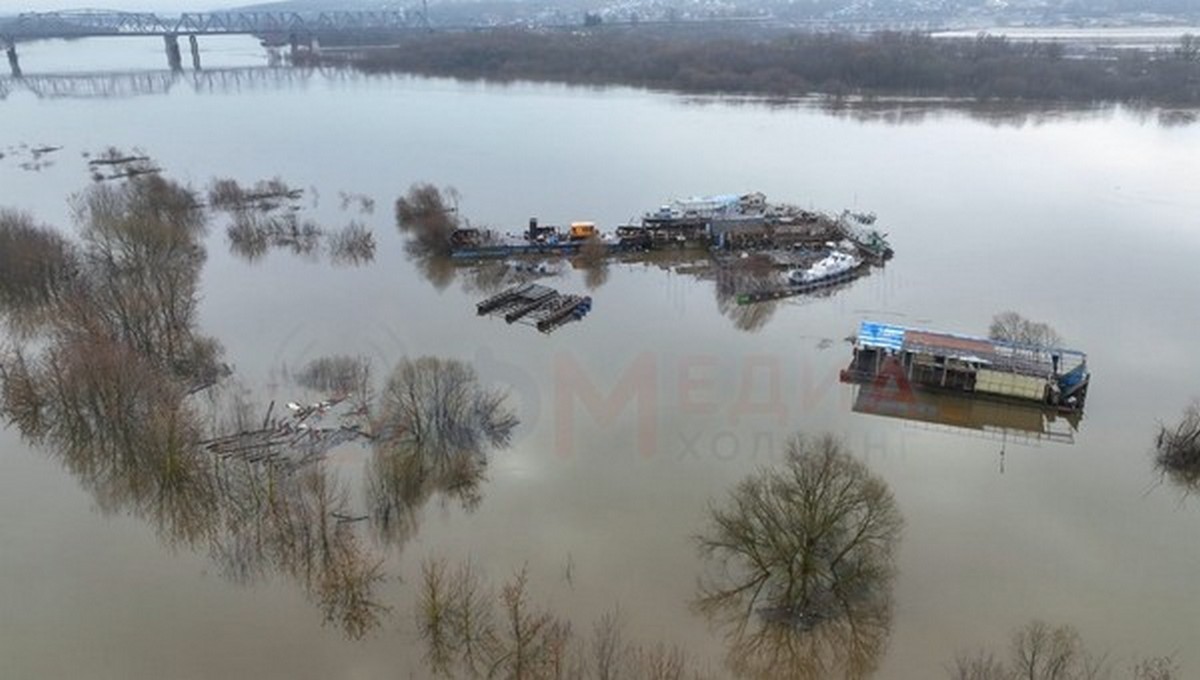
<point x="983" y="12"/>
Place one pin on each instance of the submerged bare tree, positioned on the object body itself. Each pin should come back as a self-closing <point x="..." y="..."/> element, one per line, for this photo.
<point x="800" y="561"/>
<point x="131" y="279"/>
<point x="117" y="421"/>
<point x="294" y="523"/>
<point x="127" y="429"/>
<point x="429" y="216"/>
<point x="1040" y="651"/>
<point x="267" y="215"/>
<point x="1178" y="449"/>
<point x="114" y="350"/>
<point x="353" y="245"/>
<point x="440" y="407"/>
<point x="37" y="266"/>
<point x="108" y="386"/>
<point x="252" y="234"/>
<point x="435" y="428"/>
<point x="470" y="630"/>
<point x="1012" y="327"/>
<point x="142" y="254"/>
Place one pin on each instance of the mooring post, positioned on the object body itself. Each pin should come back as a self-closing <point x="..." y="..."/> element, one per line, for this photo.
<point x="195" y="51"/>
<point x="174" y="59"/>
<point x="13" y="62"/>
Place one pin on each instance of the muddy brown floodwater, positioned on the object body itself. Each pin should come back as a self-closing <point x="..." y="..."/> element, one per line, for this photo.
<point x="572" y="473"/>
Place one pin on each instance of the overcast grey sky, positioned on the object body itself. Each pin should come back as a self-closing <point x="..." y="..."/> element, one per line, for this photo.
<point x="18" y="6"/>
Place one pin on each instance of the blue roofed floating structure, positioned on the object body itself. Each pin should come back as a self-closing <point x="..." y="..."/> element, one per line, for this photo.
<point x="889" y="354"/>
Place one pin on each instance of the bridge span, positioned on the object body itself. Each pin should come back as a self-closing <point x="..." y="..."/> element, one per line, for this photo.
<point x="299" y="29"/>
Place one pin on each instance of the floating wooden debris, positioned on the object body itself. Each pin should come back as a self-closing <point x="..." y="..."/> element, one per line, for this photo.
<point x="292" y="441"/>
<point x="121" y="165"/>
<point x="39" y="151"/>
<point x="540" y="306"/>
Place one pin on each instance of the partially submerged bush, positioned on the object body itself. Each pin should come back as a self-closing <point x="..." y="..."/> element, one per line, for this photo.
<point x="142" y="253"/>
<point x="1178" y="448"/>
<point x="264" y="196"/>
<point x="36" y="265"/>
<point x="352" y="245"/>
<point x="252" y="234"/>
<point x="471" y="630"/>
<point x="428" y="215"/>
<point x="1040" y="651"/>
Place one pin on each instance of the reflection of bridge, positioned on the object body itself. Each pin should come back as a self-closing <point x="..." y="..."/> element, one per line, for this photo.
<point x="296" y="27"/>
<point x="136" y="83"/>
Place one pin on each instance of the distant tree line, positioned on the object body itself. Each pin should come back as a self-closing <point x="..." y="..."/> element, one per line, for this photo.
<point x="888" y="63"/>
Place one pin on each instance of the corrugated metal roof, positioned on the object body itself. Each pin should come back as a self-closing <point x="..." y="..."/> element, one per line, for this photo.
<point x="957" y="347"/>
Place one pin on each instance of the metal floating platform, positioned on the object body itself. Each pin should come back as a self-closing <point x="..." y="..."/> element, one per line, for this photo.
<point x="508" y="249"/>
<point x="534" y="304"/>
<point x="483" y="252"/>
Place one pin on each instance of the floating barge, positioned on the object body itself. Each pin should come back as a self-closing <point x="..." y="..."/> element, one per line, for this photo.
<point x="540" y="306"/>
<point x="497" y="250"/>
<point x="903" y="358"/>
<point x="730" y="222"/>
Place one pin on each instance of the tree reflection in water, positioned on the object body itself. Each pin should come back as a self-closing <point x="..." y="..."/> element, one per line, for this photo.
<point x="109" y="374"/>
<point x="746" y="275"/>
<point x="799" y="566"/>
<point x="435" y="427"/>
<point x="266" y="216"/>
<point x="471" y="630"/>
<point x="428" y="216"/>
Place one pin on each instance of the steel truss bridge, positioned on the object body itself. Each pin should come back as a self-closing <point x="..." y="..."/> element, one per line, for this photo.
<point x="297" y="28"/>
<point x="88" y="23"/>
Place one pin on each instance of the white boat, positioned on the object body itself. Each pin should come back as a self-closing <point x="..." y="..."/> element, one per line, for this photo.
<point x="829" y="267"/>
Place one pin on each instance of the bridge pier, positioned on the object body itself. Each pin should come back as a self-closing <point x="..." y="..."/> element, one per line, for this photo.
<point x="195" y="51"/>
<point x="174" y="58"/>
<point x="13" y="62"/>
<point x="303" y="44"/>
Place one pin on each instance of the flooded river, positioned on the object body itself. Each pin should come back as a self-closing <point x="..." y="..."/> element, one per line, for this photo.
<point x="631" y="425"/>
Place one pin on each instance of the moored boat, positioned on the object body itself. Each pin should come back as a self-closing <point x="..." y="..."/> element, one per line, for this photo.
<point x="829" y="267"/>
